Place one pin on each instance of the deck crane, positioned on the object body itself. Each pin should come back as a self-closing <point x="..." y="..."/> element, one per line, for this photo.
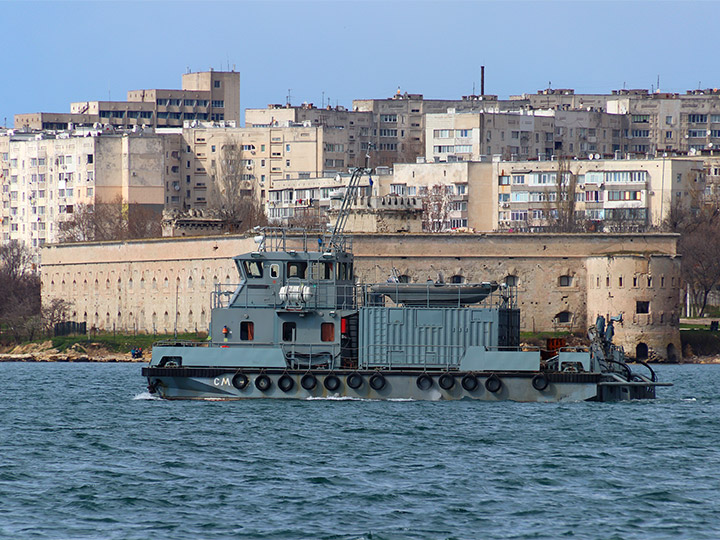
<point x="336" y="239"/>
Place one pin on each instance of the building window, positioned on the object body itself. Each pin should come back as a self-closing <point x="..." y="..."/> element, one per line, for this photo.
<point x="218" y="104"/>
<point x="216" y="84"/>
<point x="563" y="317"/>
<point x="327" y="331"/>
<point x="247" y="331"/>
<point x="565" y="281"/>
<point x="642" y="307"/>
<point x="511" y="281"/>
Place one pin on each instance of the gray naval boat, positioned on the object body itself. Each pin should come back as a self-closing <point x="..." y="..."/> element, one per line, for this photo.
<point x="299" y="326"/>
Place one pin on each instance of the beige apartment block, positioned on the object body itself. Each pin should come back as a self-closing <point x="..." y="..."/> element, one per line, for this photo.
<point x="45" y="176"/>
<point x="268" y="155"/>
<point x="205" y="96"/>
<point x="616" y="194"/>
<point x="563" y="281"/>
<point x="538" y="134"/>
<point x="399" y="121"/>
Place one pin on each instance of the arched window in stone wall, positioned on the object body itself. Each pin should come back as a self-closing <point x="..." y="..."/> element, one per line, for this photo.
<point x="107" y="283"/>
<point x="130" y="283"/>
<point x="190" y="317"/>
<point x="97" y="285"/>
<point x="107" y="319"/>
<point x="202" y="282"/>
<point x="166" y="283"/>
<point x="154" y="321"/>
<point x="564" y="317"/>
<point x="190" y="282"/>
<point x="166" y="319"/>
<point x="154" y="283"/>
<point x="641" y="351"/>
<point x="203" y="318"/>
<point x="457" y="278"/>
<point x="142" y="282"/>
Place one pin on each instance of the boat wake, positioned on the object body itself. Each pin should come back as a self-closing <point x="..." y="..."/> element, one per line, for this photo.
<point x="146" y="396"/>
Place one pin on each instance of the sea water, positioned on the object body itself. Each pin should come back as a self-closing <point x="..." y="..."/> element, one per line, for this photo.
<point x="87" y="453"/>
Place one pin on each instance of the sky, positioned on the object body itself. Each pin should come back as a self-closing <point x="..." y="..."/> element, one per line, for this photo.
<point x="336" y="51"/>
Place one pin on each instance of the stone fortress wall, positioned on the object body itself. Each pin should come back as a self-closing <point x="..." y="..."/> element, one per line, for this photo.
<point x="563" y="281"/>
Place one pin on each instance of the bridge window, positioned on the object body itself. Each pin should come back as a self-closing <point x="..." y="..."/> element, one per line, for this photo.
<point x="327" y="331"/>
<point x="253" y="269"/>
<point x="288" y="331"/>
<point x="247" y="331"/>
<point x="297" y="269"/>
<point x="274" y="270"/>
<point x="322" y="270"/>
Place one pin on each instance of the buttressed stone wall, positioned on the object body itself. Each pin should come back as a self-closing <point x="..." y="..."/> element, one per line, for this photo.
<point x="563" y="281"/>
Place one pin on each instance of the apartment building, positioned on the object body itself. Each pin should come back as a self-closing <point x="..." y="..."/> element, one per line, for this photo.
<point x="658" y="121"/>
<point x="399" y="121"/>
<point x="524" y="134"/>
<point x="205" y="96"/>
<point x="267" y="155"/>
<point x="622" y="194"/>
<point x="44" y="176"/>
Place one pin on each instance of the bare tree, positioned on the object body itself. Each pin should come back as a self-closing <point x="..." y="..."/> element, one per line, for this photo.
<point x="233" y="194"/>
<point x="436" y="207"/>
<point x="561" y="213"/>
<point x="19" y="290"/>
<point x="114" y="220"/>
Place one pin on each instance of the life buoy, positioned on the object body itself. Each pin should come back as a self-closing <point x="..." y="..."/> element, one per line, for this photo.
<point x="240" y="381"/>
<point x="446" y="381"/>
<point x="469" y="382"/>
<point x="286" y="383"/>
<point x="308" y="381"/>
<point x="377" y="381"/>
<point x="424" y="382"/>
<point x="540" y="382"/>
<point x="263" y="382"/>
<point x="331" y="382"/>
<point x="354" y="380"/>
<point x="493" y="383"/>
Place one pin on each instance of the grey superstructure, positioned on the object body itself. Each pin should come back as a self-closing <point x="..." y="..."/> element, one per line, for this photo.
<point x="298" y="326"/>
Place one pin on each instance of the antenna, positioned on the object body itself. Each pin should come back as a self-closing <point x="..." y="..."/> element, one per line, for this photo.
<point x="289" y="96"/>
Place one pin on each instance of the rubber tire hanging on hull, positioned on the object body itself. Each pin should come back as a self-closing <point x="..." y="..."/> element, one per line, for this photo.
<point x="240" y="381"/>
<point x="424" y="382"/>
<point x="331" y="383"/>
<point x="493" y="383"/>
<point x="377" y="381"/>
<point x="286" y="383"/>
<point x="446" y="381"/>
<point x="469" y="382"/>
<point x="354" y="380"/>
<point x="540" y="382"/>
<point x="308" y="381"/>
<point x="263" y="382"/>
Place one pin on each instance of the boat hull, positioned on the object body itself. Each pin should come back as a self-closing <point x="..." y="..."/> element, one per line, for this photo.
<point x="235" y="384"/>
